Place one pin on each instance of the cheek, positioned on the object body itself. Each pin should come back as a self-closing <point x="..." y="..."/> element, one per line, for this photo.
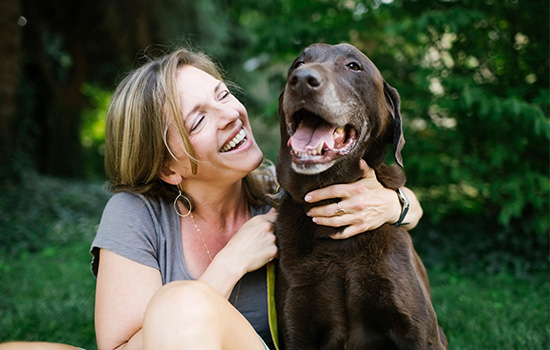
<point x="205" y="147"/>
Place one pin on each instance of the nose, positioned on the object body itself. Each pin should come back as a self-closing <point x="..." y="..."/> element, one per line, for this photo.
<point x="304" y="80"/>
<point x="227" y="116"/>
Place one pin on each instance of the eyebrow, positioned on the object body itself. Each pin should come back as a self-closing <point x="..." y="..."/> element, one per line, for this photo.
<point x="197" y="107"/>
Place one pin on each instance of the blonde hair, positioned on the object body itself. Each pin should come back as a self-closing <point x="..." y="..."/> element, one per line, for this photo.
<point x="141" y="108"/>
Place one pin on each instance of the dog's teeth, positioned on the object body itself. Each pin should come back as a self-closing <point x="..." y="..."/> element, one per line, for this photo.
<point x="339" y="134"/>
<point x="320" y="148"/>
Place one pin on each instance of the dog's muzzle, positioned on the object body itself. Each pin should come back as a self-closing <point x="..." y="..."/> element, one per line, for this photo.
<point x="316" y="144"/>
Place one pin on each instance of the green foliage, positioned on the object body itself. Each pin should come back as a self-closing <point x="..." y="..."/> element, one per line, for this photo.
<point x="484" y="117"/>
<point x="43" y="211"/>
<point x="92" y="131"/>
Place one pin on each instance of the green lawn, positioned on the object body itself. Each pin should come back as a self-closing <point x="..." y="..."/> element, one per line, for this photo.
<point x="47" y="293"/>
<point x="492" y="311"/>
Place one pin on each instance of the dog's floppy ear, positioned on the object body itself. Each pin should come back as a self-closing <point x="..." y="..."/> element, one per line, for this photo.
<point x="393" y="103"/>
<point x="280" y="105"/>
<point x="282" y="121"/>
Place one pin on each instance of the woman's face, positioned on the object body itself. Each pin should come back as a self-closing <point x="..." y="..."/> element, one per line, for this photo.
<point x="218" y="128"/>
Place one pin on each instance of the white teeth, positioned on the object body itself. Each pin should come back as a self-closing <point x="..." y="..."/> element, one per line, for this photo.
<point x="234" y="141"/>
<point x="311" y="152"/>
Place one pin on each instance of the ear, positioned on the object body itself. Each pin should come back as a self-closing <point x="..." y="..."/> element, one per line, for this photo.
<point x="393" y="103"/>
<point x="282" y="121"/>
<point x="169" y="175"/>
<point x="280" y="105"/>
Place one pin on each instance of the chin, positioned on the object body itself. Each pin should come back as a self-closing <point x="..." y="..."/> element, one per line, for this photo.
<point x="256" y="156"/>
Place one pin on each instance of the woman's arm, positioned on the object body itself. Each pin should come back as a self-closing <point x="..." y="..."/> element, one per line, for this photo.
<point x="124" y="288"/>
<point x="368" y="205"/>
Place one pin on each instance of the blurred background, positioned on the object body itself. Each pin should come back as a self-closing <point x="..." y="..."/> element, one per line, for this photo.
<point x="473" y="76"/>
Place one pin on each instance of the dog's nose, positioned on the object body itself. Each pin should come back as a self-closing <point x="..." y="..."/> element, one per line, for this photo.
<point x="305" y="79"/>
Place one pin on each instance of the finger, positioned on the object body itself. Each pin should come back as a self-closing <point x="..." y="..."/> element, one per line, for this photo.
<point x="271" y="215"/>
<point x="333" y="191"/>
<point x="351" y="206"/>
<point x="326" y="211"/>
<point x="333" y="221"/>
<point x="340" y="190"/>
<point x="338" y="221"/>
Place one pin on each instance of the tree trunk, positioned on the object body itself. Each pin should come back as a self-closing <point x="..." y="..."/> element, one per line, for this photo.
<point x="10" y="46"/>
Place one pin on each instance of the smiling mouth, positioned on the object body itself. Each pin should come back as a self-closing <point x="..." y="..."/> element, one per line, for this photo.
<point x="236" y="142"/>
<point x="316" y="141"/>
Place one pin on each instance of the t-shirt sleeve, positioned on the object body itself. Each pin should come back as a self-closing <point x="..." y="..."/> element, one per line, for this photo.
<point x="127" y="228"/>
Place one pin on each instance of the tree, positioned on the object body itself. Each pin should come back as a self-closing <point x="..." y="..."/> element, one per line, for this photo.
<point x="66" y="44"/>
<point x="10" y="44"/>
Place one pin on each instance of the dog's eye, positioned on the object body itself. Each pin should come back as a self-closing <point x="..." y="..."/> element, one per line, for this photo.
<point x="298" y="64"/>
<point x="353" y="66"/>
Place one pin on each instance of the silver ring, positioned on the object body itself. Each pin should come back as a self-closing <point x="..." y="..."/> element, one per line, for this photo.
<point x="339" y="211"/>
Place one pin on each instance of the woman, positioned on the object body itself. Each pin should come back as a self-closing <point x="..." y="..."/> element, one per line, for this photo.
<point x="189" y="227"/>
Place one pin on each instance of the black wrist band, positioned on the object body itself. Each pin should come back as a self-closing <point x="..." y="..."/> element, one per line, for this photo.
<point x="404" y="207"/>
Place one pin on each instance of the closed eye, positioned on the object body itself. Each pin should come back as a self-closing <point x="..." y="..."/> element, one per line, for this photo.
<point x="224" y="94"/>
<point x="199" y="121"/>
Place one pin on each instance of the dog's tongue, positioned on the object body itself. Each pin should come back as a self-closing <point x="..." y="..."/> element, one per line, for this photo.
<point x="312" y="134"/>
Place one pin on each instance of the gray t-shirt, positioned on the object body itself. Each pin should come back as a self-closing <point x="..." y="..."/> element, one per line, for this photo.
<point x="147" y="230"/>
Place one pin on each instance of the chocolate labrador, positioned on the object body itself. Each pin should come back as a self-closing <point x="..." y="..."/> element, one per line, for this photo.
<point x="369" y="291"/>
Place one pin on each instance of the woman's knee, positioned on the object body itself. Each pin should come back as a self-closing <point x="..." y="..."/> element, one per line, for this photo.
<point x="181" y="302"/>
<point x="181" y="313"/>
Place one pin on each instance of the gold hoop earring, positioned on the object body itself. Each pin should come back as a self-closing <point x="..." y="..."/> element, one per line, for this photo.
<point x="176" y="205"/>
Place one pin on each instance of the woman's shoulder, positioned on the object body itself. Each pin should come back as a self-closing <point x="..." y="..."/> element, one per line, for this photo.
<point x="124" y="206"/>
<point x="130" y="199"/>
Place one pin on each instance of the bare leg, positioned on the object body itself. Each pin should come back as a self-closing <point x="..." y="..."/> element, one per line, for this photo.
<point x="193" y="315"/>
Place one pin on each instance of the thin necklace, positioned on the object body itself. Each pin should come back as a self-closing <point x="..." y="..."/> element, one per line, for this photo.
<point x="200" y="234"/>
<point x="210" y="255"/>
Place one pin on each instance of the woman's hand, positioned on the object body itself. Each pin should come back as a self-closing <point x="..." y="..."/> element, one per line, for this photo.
<point x="254" y="244"/>
<point x="250" y="248"/>
<point x="367" y="205"/>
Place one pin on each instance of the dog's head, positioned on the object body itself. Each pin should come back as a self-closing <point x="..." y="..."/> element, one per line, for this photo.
<point x="336" y="106"/>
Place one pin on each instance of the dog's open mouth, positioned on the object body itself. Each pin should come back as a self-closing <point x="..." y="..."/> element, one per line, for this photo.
<point x="316" y="141"/>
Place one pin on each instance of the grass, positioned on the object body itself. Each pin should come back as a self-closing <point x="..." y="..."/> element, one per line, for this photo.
<point x="48" y="296"/>
<point x="47" y="288"/>
<point x="492" y="311"/>
<point x="46" y="283"/>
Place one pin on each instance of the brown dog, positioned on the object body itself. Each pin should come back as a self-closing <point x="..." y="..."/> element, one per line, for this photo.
<point x="370" y="291"/>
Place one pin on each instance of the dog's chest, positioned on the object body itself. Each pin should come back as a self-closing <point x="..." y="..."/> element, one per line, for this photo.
<point x="303" y="243"/>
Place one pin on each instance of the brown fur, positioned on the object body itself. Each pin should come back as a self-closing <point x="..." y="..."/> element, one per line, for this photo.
<point x="370" y="291"/>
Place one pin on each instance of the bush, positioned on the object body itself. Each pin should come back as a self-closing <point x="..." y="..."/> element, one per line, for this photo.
<point x="473" y="78"/>
<point x="43" y="211"/>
